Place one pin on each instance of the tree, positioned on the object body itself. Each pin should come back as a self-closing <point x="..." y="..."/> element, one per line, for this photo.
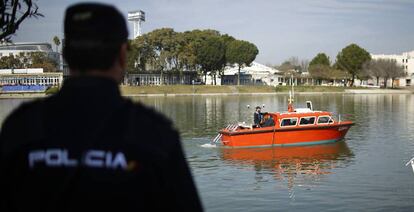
<point x="320" y="68"/>
<point x="165" y="50"/>
<point x="287" y="68"/>
<point x="41" y="60"/>
<point x="13" y="13"/>
<point x="304" y="64"/>
<point x="351" y="60"/>
<point x="392" y="71"/>
<point x="320" y="59"/>
<point x="56" y="41"/>
<point x="241" y="53"/>
<point x="375" y="69"/>
<point x="210" y="56"/>
<point x="323" y="72"/>
<point x="363" y="75"/>
<point x="11" y="61"/>
<point x="319" y="72"/>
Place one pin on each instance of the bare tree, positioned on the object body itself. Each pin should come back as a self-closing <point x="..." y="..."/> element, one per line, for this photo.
<point x="13" y="13"/>
<point x="375" y="68"/>
<point x="304" y="64"/>
<point x="391" y="70"/>
<point x="394" y="71"/>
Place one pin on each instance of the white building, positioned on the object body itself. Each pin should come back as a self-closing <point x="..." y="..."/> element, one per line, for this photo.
<point x="16" y="49"/>
<point x="256" y="74"/>
<point x="30" y="76"/>
<point x="406" y="60"/>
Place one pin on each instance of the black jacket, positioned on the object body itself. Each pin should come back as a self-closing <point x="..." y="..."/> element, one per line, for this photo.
<point x="257" y="117"/>
<point x="88" y="148"/>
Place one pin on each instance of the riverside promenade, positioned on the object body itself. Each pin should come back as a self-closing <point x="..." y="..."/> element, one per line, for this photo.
<point x="224" y="92"/>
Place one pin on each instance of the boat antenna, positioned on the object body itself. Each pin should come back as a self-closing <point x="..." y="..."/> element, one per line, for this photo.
<point x="291" y="96"/>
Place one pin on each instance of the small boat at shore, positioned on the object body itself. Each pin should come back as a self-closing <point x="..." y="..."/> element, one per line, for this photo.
<point x="295" y="127"/>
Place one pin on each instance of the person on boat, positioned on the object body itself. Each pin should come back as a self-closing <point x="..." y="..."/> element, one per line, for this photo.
<point x="268" y="121"/>
<point x="257" y="117"/>
<point x="87" y="148"/>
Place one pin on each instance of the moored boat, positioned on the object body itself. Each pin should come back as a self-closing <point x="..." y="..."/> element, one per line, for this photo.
<point x="296" y="127"/>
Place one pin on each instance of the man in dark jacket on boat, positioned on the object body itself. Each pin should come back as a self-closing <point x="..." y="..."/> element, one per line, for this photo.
<point x="257" y="117"/>
<point x="88" y="148"/>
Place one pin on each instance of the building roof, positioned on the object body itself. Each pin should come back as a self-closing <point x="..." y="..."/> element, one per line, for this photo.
<point x="255" y="68"/>
<point x="409" y="54"/>
<point x="26" y="46"/>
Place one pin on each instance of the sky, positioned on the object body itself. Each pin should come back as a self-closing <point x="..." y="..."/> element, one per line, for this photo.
<point x="280" y="29"/>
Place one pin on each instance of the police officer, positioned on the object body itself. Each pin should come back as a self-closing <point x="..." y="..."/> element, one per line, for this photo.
<point x="88" y="148"/>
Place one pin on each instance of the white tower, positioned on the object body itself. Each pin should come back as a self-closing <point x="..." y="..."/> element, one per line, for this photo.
<point x="136" y="17"/>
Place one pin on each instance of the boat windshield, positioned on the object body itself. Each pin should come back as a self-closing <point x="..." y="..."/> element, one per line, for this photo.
<point x="324" y="120"/>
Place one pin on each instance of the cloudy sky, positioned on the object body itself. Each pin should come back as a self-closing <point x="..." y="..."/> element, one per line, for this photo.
<point x="280" y="29"/>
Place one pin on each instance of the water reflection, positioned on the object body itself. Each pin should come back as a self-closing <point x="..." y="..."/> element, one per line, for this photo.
<point x="309" y="163"/>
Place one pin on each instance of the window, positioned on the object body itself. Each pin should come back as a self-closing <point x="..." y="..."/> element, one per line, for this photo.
<point x="324" y="120"/>
<point x="307" y="120"/>
<point x="289" y="122"/>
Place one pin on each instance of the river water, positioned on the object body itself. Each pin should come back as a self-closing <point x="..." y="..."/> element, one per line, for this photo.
<point x="364" y="172"/>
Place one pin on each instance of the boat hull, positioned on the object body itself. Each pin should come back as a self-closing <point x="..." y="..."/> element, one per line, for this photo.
<point x="294" y="136"/>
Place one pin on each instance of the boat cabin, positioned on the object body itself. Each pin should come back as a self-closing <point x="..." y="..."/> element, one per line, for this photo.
<point x="301" y="118"/>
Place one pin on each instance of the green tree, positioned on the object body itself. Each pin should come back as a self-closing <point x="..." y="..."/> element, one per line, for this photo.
<point x="211" y="56"/>
<point x="13" y="13"/>
<point x="241" y="53"/>
<point x="351" y="60"/>
<point x="41" y="60"/>
<point x="10" y="62"/>
<point x="320" y="59"/>
<point x="56" y="41"/>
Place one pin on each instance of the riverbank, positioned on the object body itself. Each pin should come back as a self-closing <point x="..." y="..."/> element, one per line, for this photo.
<point x="22" y="95"/>
<point x="213" y="90"/>
<point x="186" y="90"/>
<point x="189" y="90"/>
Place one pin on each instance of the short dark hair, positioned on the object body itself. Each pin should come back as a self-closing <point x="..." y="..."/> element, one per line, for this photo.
<point x="94" y="34"/>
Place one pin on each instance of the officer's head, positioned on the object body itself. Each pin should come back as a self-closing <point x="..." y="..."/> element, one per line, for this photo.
<point x="258" y="108"/>
<point x="95" y="42"/>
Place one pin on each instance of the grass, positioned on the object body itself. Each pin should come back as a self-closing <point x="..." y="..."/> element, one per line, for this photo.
<point x="200" y="89"/>
<point x="52" y="90"/>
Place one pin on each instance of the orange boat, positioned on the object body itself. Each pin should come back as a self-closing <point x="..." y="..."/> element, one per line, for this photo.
<point x="296" y="127"/>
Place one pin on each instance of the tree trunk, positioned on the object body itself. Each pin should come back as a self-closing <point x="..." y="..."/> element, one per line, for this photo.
<point x="215" y="79"/>
<point x="385" y="82"/>
<point x="392" y="82"/>
<point x="205" y="78"/>
<point x="353" y="80"/>
<point x="238" y="76"/>
<point x="377" y="81"/>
